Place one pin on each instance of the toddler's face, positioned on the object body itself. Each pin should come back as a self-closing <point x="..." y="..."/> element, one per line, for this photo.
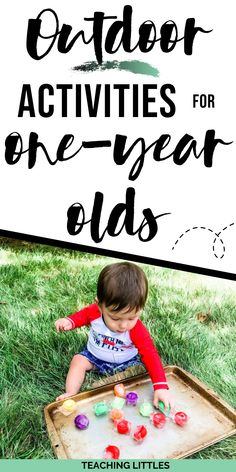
<point x="120" y="321"/>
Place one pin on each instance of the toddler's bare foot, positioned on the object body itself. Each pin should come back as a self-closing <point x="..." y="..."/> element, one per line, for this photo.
<point x="65" y="395"/>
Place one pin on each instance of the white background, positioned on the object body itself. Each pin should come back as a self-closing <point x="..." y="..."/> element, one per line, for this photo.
<point x="36" y="201"/>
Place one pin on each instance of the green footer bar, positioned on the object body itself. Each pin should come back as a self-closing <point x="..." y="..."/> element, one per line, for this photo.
<point x="187" y="465"/>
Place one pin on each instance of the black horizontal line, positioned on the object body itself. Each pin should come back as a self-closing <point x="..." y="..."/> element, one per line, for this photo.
<point x="117" y="254"/>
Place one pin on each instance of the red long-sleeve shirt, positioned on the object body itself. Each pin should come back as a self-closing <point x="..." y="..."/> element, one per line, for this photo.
<point x="117" y="347"/>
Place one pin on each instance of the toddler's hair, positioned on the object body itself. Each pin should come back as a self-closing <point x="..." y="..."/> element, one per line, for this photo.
<point x="122" y="285"/>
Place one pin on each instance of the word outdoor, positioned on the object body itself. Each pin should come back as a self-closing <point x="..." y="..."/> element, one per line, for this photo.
<point x="148" y="37"/>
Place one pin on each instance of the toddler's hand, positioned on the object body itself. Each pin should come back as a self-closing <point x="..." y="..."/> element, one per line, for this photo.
<point x="63" y="324"/>
<point x="164" y="396"/>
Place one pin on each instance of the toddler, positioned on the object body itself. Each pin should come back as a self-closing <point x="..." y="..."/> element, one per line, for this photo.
<point x="117" y="338"/>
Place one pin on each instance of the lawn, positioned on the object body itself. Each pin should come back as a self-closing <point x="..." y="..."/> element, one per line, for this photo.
<point x="191" y="318"/>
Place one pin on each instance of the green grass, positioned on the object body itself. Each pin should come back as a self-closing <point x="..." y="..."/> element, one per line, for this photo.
<point x="39" y="284"/>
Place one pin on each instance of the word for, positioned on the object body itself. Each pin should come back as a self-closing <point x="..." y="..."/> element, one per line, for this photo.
<point x="187" y="145"/>
<point x="92" y="98"/>
<point x="119" y="34"/>
<point x="203" y="100"/>
<point x="121" y="217"/>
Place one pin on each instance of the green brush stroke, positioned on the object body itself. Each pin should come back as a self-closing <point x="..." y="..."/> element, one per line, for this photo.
<point x="136" y="67"/>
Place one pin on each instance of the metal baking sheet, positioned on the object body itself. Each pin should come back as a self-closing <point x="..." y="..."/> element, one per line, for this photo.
<point x="211" y="419"/>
